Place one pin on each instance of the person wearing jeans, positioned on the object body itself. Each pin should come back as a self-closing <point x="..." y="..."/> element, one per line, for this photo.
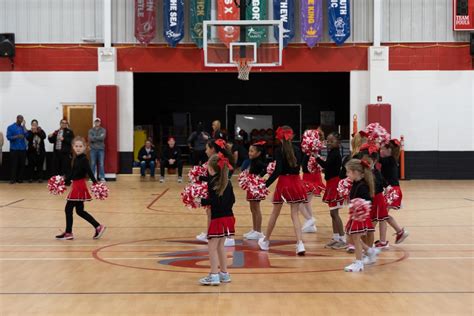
<point x="171" y="158"/>
<point x="97" y="144"/>
<point x="16" y="134"/>
<point x="147" y="157"/>
<point x="36" y="151"/>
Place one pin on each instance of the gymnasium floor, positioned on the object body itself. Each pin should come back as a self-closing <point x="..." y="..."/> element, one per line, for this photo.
<point x="149" y="263"/>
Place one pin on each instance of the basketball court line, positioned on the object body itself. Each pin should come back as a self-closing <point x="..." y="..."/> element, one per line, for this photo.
<point x="200" y="227"/>
<point x="276" y="258"/>
<point x="137" y="245"/>
<point x="14" y="202"/>
<point x="237" y="292"/>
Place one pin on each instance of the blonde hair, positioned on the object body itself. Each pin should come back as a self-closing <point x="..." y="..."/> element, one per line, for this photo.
<point x="356" y="165"/>
<point x="218" y="124"/>
<point x="222" y="174"/>
<point x="287" y="149"/>
<point x="356" y="142"/>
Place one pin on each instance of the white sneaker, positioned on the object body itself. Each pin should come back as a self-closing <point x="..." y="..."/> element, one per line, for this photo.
<point x="372" y="254"/>
<point x="356" y="266"/>
<point x="254" y="236"/>
<point x="264" y="245"/>
<point x="310" y="229"/>
<point x="211" y="279"/>
<point x="368" y="260"/>
<point x="202" y="237"/>
<point x="180" y="179"/>
<point x="300" y="251"/>
<point x="162" y="179"/>
<point x="248" y="233"/>
<point x="229" y="242"/>
<point x="310" y="222"/>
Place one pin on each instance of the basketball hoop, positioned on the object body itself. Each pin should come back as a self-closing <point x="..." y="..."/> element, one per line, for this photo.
<point x="244" y="65"/>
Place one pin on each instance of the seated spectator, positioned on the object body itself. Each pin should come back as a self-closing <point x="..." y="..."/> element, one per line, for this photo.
<point x="147" y="157"/>
<point x="171" y="158"/>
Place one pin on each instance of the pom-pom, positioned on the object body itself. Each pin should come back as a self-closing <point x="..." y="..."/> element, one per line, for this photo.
<point x="311" y="144"/>
<point x="391" y="195"/>
<point x="344" y="187"/>
<point x="271" y="167"/>
<point x="377" y="133"/>
<point x="243" y="180"/>
<point x="196" y="172"/>
<point x="359" y="209"/>
<point x="56" y="185"/>
<point x="313" y="165"/>
<point x="253" y="184"/>
<point x="100" y="190"/>
<point x="193" y="193"/>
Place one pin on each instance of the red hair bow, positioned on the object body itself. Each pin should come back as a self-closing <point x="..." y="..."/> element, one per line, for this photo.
<point x="223" y="161"/>
<point x="221" y="143"/>
<point x="363" y="134"/>
<point x="260" y="143"/>
<point x="371" y="148"/>
<point x="395" y="141"/>
<point x="286" y="134"/>
<point x="365" y="164"/>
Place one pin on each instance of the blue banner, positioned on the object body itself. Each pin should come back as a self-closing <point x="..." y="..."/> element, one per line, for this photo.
<point x="339" y="19"/>
<point x="173" y="21"/>
<point x="285" y="10"/>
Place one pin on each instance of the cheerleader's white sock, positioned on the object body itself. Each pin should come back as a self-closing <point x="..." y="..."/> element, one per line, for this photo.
<point x="335" y="236"/>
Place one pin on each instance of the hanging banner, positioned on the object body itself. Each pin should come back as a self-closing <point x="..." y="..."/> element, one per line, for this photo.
<point x="312" y="21"/>
<point x="145" y="20"/>
<point x="173" y="21"/>
<point x="228" y="10"/>
<point x="256" y="11"/>
<point x="200" y="10"/>
<point x="463" y="15"/>
<point x="285" y="10"/>
<point x="339" y="19"/>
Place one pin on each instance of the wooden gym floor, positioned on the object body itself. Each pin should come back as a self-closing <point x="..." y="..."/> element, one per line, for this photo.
<point x="149" y="263"/>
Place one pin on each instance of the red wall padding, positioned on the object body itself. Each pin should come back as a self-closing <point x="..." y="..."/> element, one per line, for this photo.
<point x="380" y="113"/>
<point x="107" y="111"/>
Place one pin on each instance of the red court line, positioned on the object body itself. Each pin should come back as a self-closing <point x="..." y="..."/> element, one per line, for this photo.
<point x="149" y="206"/>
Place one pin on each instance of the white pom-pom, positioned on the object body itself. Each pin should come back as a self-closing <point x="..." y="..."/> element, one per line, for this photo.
<point x="100" y="190"/>
<point x="359" y="209"/>
<point x="56" y="185"/>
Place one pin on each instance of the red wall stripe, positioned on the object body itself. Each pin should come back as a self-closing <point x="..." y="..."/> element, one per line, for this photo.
<point x="107" y="111"/>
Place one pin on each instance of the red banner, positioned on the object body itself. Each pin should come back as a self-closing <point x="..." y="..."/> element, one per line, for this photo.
<point x="145" y="20"/>
<point x="228" y="10"/>
<point x="463" y="15"/>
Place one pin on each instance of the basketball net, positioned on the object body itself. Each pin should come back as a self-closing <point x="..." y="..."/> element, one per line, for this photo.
<point x="243" y="66"/>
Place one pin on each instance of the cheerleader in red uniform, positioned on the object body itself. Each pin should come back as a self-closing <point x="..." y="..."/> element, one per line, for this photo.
<point x="79" y="192"/>
<point x="332" y="167"/>
<point x="314" y="186"/>
<point x="389" y="155"/>
<point x="222" y="224"/>
<point x="359" y="171"/>
<point x="289" y="189"/>
<point x="257" y="167"/>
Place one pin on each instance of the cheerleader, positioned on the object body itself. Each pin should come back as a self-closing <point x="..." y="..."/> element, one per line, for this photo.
<point x="389" y="155"/>
<point x="257" y="167"/>
<point x="289" y="189"/>
<point x="314" y="186"/>
<point x="79" y="192"/>
<point x="332" y="167"/>
<point x="222" y="224"/>
<point x="359" y="171"/>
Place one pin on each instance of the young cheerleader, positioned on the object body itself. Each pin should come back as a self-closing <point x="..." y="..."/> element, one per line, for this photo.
<point x="314" y="185"/>
<point x="257" y="167"/>
<point x="222" y="224"/>
<point x="289" y="189"/>
<point x="389" y="155"/>
<point x="362" y="187"/>
<point x="332" y="167"/>
<point x="79" y="192"/>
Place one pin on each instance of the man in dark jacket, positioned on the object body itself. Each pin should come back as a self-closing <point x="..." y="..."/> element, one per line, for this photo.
<point x="197" y="144"/>
<point x="61" y="140"/>
<point x="36" y="151"/>
<point x="147" y="157"/>
<point x="171" y="158"/>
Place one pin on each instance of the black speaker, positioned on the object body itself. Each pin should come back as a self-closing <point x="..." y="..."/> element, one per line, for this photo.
<point x="472" y="44"/>
<point x="7" y="45"/>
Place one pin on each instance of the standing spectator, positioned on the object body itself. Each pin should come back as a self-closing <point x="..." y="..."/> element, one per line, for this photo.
<point x="36" y="151"/>
<point x="97" y="144"/>
<point x="147" y="157"/>
<point x="239" y="152"/>
<point x="197" y="143"/>
<point x="171" y="158"/>
<point x="16" y="135"/>
<point x="217" y="132"/>
<point x="61" y="140"/>
<point x="1" y="147"/>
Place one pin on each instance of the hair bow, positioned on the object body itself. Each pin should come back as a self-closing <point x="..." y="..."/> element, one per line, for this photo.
<point x="223" y="161"/>
<point x="286" y="134"/>
<point x="260" y="143"/>
<point x="395" y="141"/>
<point x="371" y="148"/>
<point x="365" y="164"/>
<point x="221" y="143"/>
<point x="363" y="133"/>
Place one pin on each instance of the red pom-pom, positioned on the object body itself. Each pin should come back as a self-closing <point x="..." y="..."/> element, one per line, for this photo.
<point x="56" y="185"/>
<point x="243" y="180"/>
<point x="313" y="165"/>
<point x="359" y="209"/>
<point x="344" y="188"/>
<point x="390" y="195"/>
<point x="311" y="144"/>
<point x="100" y="190"/>
<point x="253" y="184"/>
<point x="377" y="134"/>
<point x="196" y="172"/>
<point x="271" y="167"/>
<point x="193" y="193"/>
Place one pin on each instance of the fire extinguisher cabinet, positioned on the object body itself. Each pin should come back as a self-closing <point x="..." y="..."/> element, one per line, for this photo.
<point x="380" y="113"/>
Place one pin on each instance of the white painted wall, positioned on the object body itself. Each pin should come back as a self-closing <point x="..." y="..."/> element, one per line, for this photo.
<point x="40" y="95"/>
<point x="434" y="110"/>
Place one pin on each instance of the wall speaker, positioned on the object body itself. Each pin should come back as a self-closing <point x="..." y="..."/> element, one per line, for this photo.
<point x="7" y="45"/>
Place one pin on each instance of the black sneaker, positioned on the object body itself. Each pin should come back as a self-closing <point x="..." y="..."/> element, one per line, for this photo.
<point x="65" y="236"/>
<point x="99" y="231"/>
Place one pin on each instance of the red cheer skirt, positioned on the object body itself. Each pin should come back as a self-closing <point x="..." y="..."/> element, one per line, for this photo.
<point x="331" y="195"/>
<point x="313" y="183"/>
<point x="79" y="191"/>
<point x="379" y="211"/>
<point x="221" y="227"/>
<point x="396" y="204"/>
<point x="359" y="227"/>
<point x="290" y="189"/>
<point x="251" y="197"/>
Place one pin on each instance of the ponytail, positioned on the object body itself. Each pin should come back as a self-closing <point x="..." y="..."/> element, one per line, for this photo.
<point x="222" y="174"/>
<point x="285" y="135"/>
